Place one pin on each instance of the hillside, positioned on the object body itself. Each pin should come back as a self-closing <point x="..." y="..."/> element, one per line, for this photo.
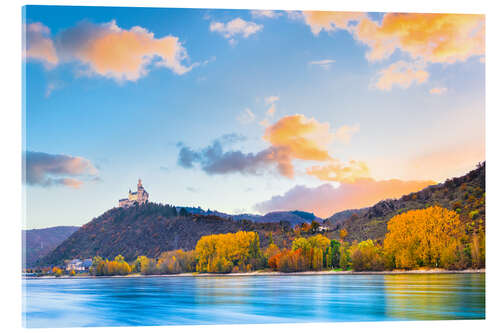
<point x="465" y="195"/>
<point x="149" y="230"/>
<point x="39" y="242"/>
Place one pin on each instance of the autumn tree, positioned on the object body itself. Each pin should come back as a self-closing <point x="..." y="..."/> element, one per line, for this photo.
<point x="366" y="256"/>
<point x="222" y="253"/>
<point x="343" y="234"/>
<point x="178" y="261"/>
<point x="431" y="237"/>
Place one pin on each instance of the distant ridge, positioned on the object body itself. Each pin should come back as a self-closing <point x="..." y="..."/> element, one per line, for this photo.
<point x="39" y="242"/>
<point x="294" y="217"/>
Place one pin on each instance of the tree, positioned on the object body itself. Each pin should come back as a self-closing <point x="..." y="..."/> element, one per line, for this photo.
<point x="178" y="261"/>
<point x="95" y="263"/>
<point x="333" y="254"/>
<point x="183" y="212"/>
<point x="314" y="226"/>
<point x="222" y="252"/>
<point x="431" y="237"/>
<point x="343" y="234"/>
<point x="366" y="256"/>
<point x="57" y="271"/>
<point x="345" y="256"/>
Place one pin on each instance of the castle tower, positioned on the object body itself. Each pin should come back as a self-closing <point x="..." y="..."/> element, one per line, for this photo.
<point x="140" y="197"/>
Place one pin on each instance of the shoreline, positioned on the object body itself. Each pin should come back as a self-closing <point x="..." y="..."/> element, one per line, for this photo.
<point x="264" y="273"/>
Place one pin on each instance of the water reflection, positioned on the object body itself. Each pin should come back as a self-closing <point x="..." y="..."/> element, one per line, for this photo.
<point x="251" y="299"/>
<point x="435" y="296"/>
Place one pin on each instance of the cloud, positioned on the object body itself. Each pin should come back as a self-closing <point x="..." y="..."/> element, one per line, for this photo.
<point x="120" y="54"/>
<point x="427" y="38"/>
<point x="290" y="138"/>
<point x="340" y="172"/>
<point x="401" y="73"/>
<point x="345" y="133"/>
<point x="304" y="138"/>
<point x="271" y="99"/>
<point x="214" y="160"/>
<point x="438" y="90"/>
<point x="45" y="169"/>
<point x="51" y="86"/>
<point x="271" y="111"/>
<point x="326" y="199"/>
<point x="325" y="63"/>
<point x="437" y="38"/>
<point x="246" y="116"/>
<point x="39" y="46"/>
<point x="107" y="50"/>
<point x="329" y="21"/>
<point x="234" y="28"/>
<point x="265" y="13"/>
<point x="445" y="162"/>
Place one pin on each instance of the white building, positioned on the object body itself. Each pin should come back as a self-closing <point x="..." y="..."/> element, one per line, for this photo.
<point x="79" y="265"/>
<point x="140" y="197"/>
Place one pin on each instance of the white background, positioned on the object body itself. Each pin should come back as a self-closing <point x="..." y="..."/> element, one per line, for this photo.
<point x="10" y="158"/>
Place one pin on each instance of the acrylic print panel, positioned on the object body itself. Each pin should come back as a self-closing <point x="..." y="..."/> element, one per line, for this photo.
<point x="200" y="166"/>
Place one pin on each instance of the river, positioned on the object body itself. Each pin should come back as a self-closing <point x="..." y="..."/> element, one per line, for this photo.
<point x="251" y="299"/>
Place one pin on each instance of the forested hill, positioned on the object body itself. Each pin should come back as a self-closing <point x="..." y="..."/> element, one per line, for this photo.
<point x="465" y="195"/>
<point x="39" y="242"/>
<point x="149" y="230"/>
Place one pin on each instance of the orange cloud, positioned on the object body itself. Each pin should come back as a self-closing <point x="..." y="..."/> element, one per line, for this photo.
<point x="345" y="133"/>
<point x="442" y="38"/>
<point x="340" y="172"/>
<point x="304" y="138"/>
<point x="446" y="162"/>
<point x="401" y="73"/>
<point x="326" y="199"/>
<point x="438" y="90"/>
<point x="39" y="45"/>
<point x="113" y="52"/>
<point x="272" y="109"/>
<point x="71" y="182"/>
<point x="329" y="21"/>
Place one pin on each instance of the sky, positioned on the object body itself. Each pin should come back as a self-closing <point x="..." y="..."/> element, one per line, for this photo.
<point x="245" y="111"/>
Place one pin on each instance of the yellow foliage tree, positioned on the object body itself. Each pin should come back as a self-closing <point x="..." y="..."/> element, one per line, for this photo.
<point x="429" y="237"/>
<point x="221" y="253"/>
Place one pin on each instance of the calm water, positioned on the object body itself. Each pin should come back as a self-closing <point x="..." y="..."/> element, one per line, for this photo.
<point x="251" y="299"/>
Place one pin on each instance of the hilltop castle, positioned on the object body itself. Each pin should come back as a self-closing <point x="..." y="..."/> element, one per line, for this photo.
<point x="140" y="197"/>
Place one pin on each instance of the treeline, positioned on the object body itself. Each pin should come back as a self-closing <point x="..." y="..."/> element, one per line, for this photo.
<point x="432" y="238"/>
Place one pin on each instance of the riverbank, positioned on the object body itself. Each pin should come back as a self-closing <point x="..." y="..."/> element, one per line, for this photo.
<point x="270" y="273"/>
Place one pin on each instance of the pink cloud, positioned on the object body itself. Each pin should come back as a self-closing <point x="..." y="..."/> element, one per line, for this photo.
<point x="402" y="74"/>
<point x="39" y="46"/>
<point x="326" y="199"/>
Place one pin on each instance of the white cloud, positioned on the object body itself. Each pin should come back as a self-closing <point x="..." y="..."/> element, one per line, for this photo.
<point x="271" y="99"/>
<point x="265" y="13"/>
<point x="246" y="116"/>
<point x="325" y="63"/>
<point x="235" y="28"/>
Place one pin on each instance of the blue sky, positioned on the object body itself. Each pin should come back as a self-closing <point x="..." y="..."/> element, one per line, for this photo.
<point x="422" y="121"/>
